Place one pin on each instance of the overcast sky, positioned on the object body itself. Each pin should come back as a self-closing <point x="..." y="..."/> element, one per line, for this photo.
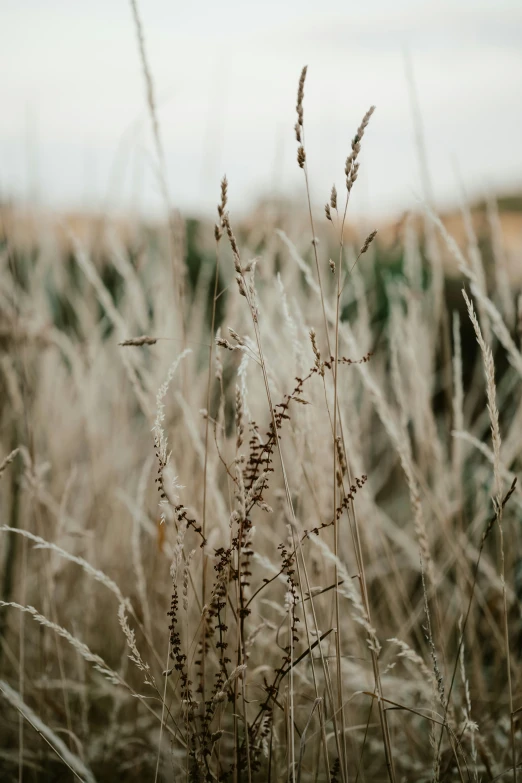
<point x="74" y="130"/>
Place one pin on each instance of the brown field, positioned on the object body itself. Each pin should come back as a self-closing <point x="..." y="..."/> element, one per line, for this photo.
<point x="259" y="510"/>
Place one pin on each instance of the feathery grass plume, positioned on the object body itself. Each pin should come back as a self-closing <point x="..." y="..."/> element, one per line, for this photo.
<point x="95" y="573"/>
<point x="134" y="655"/>
<point x="291" y="326"/>
<point x="491" y="391"/>
<point x="86" y="264"/>
<point x="97" y="662"/>
<point x="237" y="674"/>
<point x="89" y="269"/>
<point x="500" y="328"/>
<point x="160" y="438"/>
<point x="397" y="376"/>
<point x="408" y="654"/>
<point x="301" y="263"/>
<point x="346" y="588"/>
<point x="403" y="447"/>
<point x="70" y="759"/>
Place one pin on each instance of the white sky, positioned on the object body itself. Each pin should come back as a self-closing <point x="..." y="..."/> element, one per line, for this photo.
<point x="74" y="130"/>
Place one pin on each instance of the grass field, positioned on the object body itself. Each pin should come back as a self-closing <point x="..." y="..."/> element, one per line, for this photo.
<point x="259" y="510"/>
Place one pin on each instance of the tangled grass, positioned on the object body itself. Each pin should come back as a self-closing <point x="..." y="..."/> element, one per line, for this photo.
<point x="255" y="526"/>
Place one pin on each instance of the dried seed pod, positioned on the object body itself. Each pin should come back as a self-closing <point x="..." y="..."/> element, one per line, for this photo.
<point x="367" y="242"/>
<point x="143" y="340"/>
<point x="300" y="96"/>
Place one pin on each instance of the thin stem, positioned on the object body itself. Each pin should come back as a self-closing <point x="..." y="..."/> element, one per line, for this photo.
<point x="163" y="715"/>
<point x="489" y="526"/>
<point x="358" y="548"/>
<point x="335" y="371"/>
<point x="506" y="641"/>
<point x="205" y="474"/>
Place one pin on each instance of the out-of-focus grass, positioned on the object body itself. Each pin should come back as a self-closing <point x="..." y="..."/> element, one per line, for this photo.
<point x="81" y="408"/>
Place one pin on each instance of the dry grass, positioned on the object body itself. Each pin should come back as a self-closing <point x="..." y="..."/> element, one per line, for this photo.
<point x="276" y="536"/>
